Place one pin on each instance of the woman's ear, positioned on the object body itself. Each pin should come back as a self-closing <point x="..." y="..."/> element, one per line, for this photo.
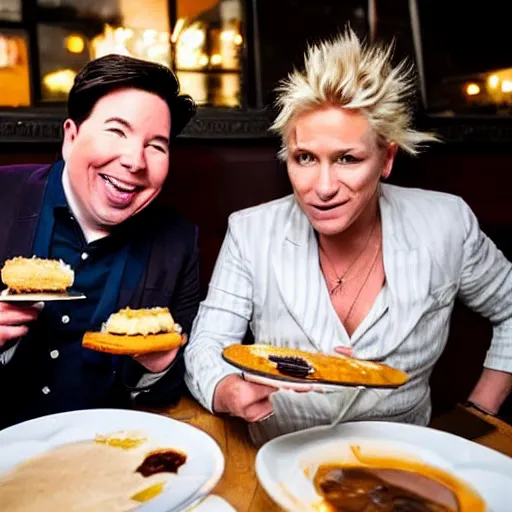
<point x="389" y="159"/>
<point x="70" y="132"/>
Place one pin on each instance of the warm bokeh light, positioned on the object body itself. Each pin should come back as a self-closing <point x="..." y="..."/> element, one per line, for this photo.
<point x="190" y="47"/>
<point x="143" y="44"/>
<point x="506" y="86"/>
<point x="494" y="80"/>
<point x="14" y="70"/>
<point x="227" y="35"/>
<point x="472" y="90"/>
<point x="215" y="59"/>
<point x="75" y="43"/>
<point x="177" y="30"/>
<point x="59" y="81"/>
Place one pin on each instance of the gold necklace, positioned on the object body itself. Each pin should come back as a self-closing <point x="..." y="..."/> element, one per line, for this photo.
<point x="340" y="279"/>
<point x="363" y="285"/>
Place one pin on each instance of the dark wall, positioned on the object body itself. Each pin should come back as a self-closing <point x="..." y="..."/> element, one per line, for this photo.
<point x="482" y="176"/>
<point x="208" y="181"/>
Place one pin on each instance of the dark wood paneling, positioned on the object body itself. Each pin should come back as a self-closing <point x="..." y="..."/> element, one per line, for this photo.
<point x="210" y="180"/>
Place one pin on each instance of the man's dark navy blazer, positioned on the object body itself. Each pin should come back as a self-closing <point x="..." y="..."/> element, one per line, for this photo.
<point x="170" y="278"/>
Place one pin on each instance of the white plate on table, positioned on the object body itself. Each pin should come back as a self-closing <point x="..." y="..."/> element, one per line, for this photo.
<point x="5" y="296"/>
<point x="295" y="386"/>
<point x="195" y="479"/>
<point x="280" y="463"/>
<point x="212" y="503"/>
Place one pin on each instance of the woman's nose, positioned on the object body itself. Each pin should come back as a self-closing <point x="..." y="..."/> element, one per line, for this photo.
<point x="327" y="184"/>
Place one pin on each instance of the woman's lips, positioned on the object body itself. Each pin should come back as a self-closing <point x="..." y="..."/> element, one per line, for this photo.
<point x="323" y="212"/>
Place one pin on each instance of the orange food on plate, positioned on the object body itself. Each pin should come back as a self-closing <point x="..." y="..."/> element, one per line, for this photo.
<point x="136" y="331"/>
<point x="302" y="366"/>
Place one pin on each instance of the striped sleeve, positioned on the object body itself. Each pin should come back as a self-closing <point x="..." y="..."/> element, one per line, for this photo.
<point x="222" y="320"/>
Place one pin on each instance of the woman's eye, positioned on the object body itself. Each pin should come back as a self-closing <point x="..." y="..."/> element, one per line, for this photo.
<point x="304" y="159"/>
<point x="347" y="159"/>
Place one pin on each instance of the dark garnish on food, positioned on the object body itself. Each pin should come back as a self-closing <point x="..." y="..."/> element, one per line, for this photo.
<point x="162" y="461"/>
<point x="292" y="366"/>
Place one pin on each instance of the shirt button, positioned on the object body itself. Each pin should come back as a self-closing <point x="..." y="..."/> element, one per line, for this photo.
<point x="84" y="256"/>
<point x="54" y="354"/>
<point x="65" y="319"/>
<point x="45" y="390"/>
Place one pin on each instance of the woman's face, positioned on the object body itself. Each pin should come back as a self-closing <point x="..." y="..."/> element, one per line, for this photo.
<point x="335" y="164"/>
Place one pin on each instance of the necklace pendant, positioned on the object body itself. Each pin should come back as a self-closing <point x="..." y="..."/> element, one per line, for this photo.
<point x="337" y="286"/>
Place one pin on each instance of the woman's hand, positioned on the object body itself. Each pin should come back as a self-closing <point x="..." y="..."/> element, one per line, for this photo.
<point x="238" y="397"/>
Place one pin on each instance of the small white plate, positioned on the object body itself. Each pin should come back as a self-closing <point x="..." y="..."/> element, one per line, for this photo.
<point x="40" y="297"/>
<point x="280" y="463"/>
<point x="195" y="480"/>
<point x="212" y="503"/>
<point x="295" y="386"/>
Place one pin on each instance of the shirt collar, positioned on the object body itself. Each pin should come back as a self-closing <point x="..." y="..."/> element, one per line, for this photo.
<point x="91" y="235"/>
<point x="63" y="197"/>
<point x="55" y="189"/>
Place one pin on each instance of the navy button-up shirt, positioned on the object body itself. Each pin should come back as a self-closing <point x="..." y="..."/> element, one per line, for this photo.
<point x="79" y="378"/>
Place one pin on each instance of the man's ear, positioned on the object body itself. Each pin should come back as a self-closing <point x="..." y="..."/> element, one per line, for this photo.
<point x="389" y="159"/>
<point x="70" y="133"/>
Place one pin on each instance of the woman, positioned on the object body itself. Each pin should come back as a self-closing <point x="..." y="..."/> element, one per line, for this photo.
<point x="348" y="264"/>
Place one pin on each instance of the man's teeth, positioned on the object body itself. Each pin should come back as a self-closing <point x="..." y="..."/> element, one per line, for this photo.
<point x="124" y="187"/>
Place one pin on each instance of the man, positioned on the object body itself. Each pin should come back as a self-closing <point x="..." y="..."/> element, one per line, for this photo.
<point x="93" y="209"/>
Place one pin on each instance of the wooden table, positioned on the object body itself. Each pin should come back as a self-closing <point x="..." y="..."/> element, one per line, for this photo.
<point x="239" y="485"/>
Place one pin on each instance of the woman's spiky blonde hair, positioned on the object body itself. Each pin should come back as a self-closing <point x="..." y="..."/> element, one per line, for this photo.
<point x="350" y="74"/>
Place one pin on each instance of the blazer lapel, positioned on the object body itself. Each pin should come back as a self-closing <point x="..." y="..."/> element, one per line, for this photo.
<point x="407" y="266"/>
<point x="21" y="235"/>
<point x="301" y="285"/>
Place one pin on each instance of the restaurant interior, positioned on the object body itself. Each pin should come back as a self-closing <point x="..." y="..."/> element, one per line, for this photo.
<point x="229" y="55"/>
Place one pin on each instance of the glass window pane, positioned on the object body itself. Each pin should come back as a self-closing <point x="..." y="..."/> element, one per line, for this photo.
<point x="142" y="32"/>
<point x="78" y="31"/>
<point x="62" y="52"/>
<point x="14" y="69"/>
<point x="284" y="32"/>
<point x="466" y="52"/>
<point x="68" y="10"/>
<point x="10" y="10"/>
<point x="204" y="47"/>
<point x="207" y="50"/>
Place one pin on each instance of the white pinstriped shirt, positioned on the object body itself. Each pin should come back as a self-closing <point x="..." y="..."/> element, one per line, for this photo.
<point x="268" y="277"/>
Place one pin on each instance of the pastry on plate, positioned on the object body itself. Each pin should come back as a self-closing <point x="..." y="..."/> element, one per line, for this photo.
<point x="36" y="275"/>
<point x="136" y="331"/>
<point x="300" y="366"/>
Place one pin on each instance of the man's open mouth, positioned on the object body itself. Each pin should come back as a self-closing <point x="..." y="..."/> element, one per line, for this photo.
<point x="120" y="185"/>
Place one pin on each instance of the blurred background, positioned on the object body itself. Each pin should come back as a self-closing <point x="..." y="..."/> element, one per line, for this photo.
<point x="229" y="55"/>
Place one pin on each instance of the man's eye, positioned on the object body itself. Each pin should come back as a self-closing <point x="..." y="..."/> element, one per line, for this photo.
<point x="117" y="131"/>
<point x="158" y="148"/>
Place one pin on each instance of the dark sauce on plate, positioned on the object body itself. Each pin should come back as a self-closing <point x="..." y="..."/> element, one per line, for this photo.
<point x="162" y="461"/>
